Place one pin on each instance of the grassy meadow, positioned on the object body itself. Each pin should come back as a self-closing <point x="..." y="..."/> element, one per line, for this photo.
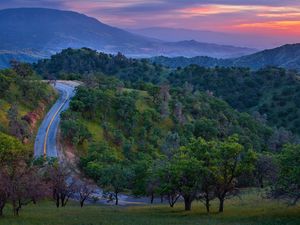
<point x="250" y="209"/>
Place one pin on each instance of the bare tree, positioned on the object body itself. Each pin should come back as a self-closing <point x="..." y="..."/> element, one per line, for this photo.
<point x="85" y="192"/>
<point x="62" y="185"/>
<point x="164" y="96"/>
<point x="4" y="190"/>
<point x="178" y="113"/>
<point x="266" y="169"/>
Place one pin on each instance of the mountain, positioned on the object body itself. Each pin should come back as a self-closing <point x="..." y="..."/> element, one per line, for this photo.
<point x="221" y="38"/>
<point x="286" y="56"/>
<point x="29" y="32"/>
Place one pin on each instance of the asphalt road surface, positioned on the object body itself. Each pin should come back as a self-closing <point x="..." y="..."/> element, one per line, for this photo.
<point x="45" y="142"/>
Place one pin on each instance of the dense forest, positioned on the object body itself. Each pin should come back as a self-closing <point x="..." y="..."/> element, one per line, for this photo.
<point x="270" y="94"/>
<point x="130" y="139"/>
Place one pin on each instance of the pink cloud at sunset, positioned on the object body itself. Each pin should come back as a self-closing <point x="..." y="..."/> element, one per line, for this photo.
<point x="268" y="17"/>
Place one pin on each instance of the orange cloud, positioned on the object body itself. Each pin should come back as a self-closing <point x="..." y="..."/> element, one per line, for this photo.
<point x="275" y="27"/>
<point x="257" y="10"/>
<point x="214" y="9"/>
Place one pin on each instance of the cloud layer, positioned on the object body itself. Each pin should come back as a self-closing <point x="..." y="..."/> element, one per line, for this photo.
<point x="259" y="16"/>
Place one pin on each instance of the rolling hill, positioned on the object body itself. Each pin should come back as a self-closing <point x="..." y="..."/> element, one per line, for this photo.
<point x="221" y="38"/>
<point x="286" y="56"/>
<point x="48" y="31"/>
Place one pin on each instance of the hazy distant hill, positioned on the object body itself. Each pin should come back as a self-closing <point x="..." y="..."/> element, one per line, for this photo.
<point x="48" y="31"/>
<point x="287" y="56"/>
<point x="252" y="40"/>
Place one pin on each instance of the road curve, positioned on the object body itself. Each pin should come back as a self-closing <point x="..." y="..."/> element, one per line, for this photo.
<point x="45" y="142"/>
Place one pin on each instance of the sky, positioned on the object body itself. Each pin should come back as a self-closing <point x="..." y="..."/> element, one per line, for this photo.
<point x="265" y="17"/>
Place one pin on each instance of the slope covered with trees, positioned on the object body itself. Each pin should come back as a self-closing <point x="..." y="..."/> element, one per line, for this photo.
<point x="144" y="140"/>
<point x="271" y="94"/>
<point x="146" y="130"/>
<point x="23" y="101"/>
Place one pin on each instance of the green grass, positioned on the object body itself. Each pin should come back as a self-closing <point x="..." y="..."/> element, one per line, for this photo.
<point x="95" y="129"/>
<point x="250" y="210"/>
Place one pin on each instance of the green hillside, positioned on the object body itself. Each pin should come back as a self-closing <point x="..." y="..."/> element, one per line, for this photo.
<point x="24" y="100"/>
<point x="111" y="125"/>
<point x="272" y="94"/>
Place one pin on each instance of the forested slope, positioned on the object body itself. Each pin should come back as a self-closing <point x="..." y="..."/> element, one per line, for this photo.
<point x="23" y="101"/>
<point x="271" y="94"/>
<point x="143" y="129"/>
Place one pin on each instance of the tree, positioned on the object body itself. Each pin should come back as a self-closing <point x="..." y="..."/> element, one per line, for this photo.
<point x="206" y="128"/>
<point x="85" y="191"/>
<point x="232" y="161"/>
<point x="25" y="186"/>
<point x="115" y="178"/>
<point x="24" y="70"/>
<point x="18" y="128"/>
<point x="205" y="151"/>
<point x="4" y="85"/>
<point x="164" y="97"/>
<point x="4" y="191"/>
<point x="288" y="184"/>
<point x="178" y="113"/>
<point x="171" y="144"/>
<point x="74" y="131"/>
<point x="266" y="169"/>
<point x="187" y="173"/>
<point x="20" y="181"/>
<point x="62" y="184"/>
<point x="166" y="184"/>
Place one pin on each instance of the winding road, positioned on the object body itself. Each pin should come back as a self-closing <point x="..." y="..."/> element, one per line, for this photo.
<point x="45" y="142"/>
<point x="46" y="139"/>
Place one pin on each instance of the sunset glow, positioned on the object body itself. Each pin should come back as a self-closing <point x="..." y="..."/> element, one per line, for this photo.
<point x="259" y="16"/>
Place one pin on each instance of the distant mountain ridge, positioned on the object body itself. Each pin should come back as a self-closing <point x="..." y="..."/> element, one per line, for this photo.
<point x="286" y="56"/>
<point x="48" y="31"/>
<point x="252" y="40"/>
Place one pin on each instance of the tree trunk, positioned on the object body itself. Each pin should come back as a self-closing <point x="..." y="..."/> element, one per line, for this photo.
<point x="117" y="199"/>
<point x="152" y="198"/>
<point x="187" y="203"/>
<point x="81" y="203"/>
<point x="15" y="208"/>
<point x="1" y="209"/>
<point x="261" y="182"/>
<point x="221" y="205"/>
<point x="62" y="201"/>
<point x="57" y="201"/>
<point x="207" y="205"/>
